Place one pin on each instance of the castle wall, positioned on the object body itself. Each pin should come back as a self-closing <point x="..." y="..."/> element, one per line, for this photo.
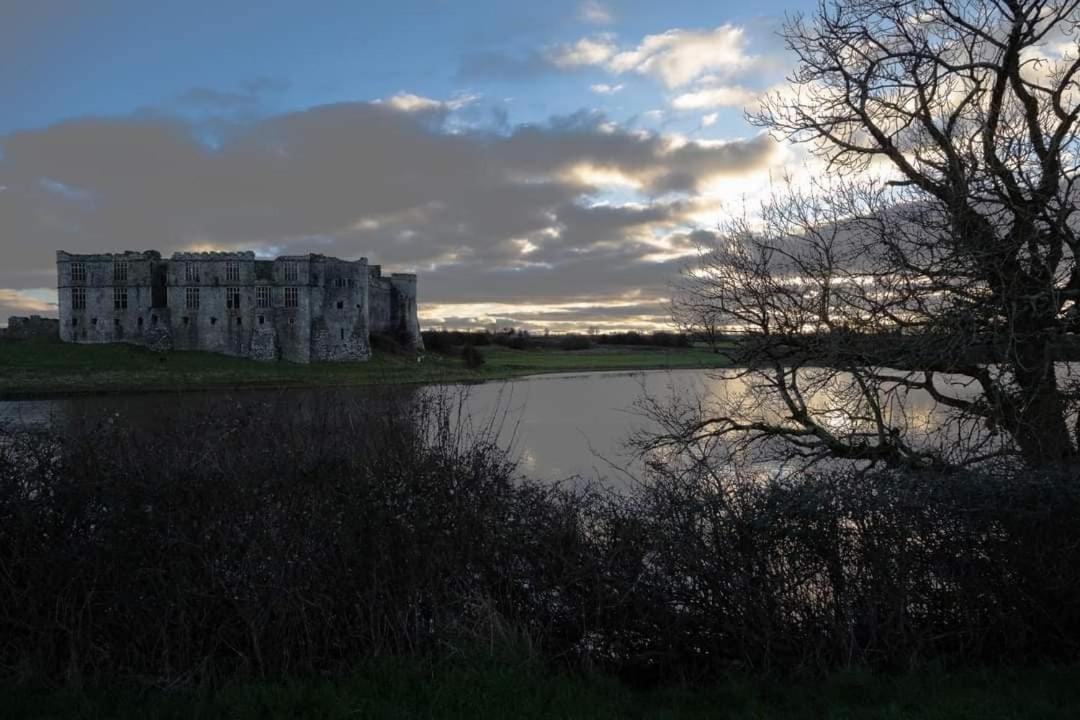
<point x="339" y="323"/>
<point x="393" y="307"/>
<point x="115" y="306"/>
<point x="294" y="308"/>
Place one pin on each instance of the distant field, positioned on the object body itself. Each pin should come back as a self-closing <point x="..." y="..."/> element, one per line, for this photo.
<point x="41" y="367"/>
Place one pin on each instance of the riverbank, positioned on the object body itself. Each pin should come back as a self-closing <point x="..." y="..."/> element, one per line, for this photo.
<point x="46" y="367"/>
<point x="411" y="689"/>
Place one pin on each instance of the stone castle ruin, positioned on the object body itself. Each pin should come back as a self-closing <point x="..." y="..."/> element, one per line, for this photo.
<point x="297" y="307"/>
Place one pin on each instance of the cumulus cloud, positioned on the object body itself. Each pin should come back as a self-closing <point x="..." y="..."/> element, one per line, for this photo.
<point x="485" y="216"/>
<point x="676" y="57"/>
<point x="595" y="50"/>
<point x="713" y="97"/>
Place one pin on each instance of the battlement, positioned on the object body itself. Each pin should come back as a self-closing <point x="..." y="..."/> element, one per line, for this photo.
<point x="214" y="255"/>
<point x="64" y="256"/>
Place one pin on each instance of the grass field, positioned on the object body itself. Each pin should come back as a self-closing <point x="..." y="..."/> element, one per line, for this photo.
<point x="42" y="367"/>
<point x="409" y="690"/>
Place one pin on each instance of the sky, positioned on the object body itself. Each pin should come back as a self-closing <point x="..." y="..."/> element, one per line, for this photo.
<point x="540" y="165"/>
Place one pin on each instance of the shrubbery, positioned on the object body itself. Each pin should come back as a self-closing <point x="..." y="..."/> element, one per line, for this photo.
<point x="575" y="342"/>
<point x="272" y="539"/>
<point x="471" y="357"/>
<point x="659" y="338"/>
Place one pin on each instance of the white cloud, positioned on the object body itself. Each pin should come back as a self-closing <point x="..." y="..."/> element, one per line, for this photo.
<point x="709" y="119"/>
<point x="605" y="89"/>
<point x="676" y="57"/>
<point x="596" y="12"/>
<point x="595" y="50"/>
<point x="410" y="102"/>
<point x="711" y="97"/>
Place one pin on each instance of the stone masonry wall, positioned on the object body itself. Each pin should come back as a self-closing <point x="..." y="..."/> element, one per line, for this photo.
<point x="295" y="308"/>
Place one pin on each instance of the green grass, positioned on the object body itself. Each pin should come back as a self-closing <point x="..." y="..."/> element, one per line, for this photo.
<point x="42" y="367"/>
<point x="412" y="690"/>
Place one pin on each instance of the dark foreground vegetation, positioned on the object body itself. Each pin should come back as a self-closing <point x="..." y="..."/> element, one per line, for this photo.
<point x="275" y="541"/>
<point x="400" y="689"/>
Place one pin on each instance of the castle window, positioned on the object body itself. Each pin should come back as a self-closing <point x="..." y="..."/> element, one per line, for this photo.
<point x="292" y="272"/>
<point x="232" y="298"/>
<point x="262" y="296"/>
<point x="153" y="319"/>
<point x="292" y="297"/>
<point x="239" y="321"/>
<point x="93" y="321"/>
<point x="340" y="305"/>
<point x="262" y="319"/>
<point x="213" y="321"/>
<point x="342" y="333"/>
<point x="351" y="282"/>
<point x="187" y="320"/>
<point x="140" y="322"/>
<point x="119" y="271"/>
<point x="116" y="322"/>
<point x="78" y="298"/>
<point x="74" y="322"/>
<point x="78" y="273"/>
<point x="232" y="271"/>
<point x="191" y="298"/>
<point x="119" y="298"/>
<point x="191" y="273"/>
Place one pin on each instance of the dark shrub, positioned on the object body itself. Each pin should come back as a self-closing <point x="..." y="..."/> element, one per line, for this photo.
<point x="437" y="341"/>
<point x="575" y="342"/>
<point x="471" y="357"/>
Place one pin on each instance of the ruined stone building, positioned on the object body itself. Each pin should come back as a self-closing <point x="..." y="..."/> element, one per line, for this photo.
<point x="298" y="308"/>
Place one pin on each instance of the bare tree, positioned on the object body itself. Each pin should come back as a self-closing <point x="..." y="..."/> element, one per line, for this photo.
<point x="956" y="281"/>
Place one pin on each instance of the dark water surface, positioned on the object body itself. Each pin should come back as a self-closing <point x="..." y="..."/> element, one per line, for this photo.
<point x="557" y="426"/>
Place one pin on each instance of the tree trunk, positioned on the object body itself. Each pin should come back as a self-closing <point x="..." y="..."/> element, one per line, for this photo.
<point x="1039" y="423"/>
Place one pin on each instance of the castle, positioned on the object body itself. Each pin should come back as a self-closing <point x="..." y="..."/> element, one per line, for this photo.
<point x="297" y="307"/>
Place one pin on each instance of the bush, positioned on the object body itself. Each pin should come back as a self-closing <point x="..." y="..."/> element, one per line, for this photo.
<point x="471" y="357"/>
<point x="267" y="537"/>
<point x="444" y="341"/>
<point x="575" y="342"/>
<point x="659" y="338"/>
<point x="274" y="539"/>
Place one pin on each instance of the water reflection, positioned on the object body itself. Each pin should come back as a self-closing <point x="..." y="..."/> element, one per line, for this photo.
<point x="557" y="426"/>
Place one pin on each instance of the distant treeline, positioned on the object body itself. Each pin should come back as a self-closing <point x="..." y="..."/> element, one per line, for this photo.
<point x="269" y="541"/>
<point x="446" y="341"/>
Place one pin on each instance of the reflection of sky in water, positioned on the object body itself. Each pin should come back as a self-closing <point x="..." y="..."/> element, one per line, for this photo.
<point x="557" y="426"/>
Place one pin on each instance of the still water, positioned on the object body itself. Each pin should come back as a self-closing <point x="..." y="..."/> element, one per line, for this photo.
<point x="556" y="426"/>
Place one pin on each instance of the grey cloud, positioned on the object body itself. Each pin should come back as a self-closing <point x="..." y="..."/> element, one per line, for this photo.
<point x="359" y="179"/>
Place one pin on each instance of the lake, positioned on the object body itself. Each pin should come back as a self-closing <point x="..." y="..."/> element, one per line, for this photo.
<point x="557" y="426"/>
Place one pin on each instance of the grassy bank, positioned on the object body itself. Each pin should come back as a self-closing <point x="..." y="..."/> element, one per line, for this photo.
<point x="409" y="689"/>
<point x="44" y="366"/>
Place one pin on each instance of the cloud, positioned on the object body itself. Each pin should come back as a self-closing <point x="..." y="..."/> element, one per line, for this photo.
<point x="514" y="216"/>
<point x="712" y="97"/>
<point x="409" y="102"/>
<point x="14" y="302"/>
<point x="605" y="89"/>
<point x="596" y="50"/>
<point x="709" y="119"/>
<point x="596" y="12"/>
<point x="676" y="57"/>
